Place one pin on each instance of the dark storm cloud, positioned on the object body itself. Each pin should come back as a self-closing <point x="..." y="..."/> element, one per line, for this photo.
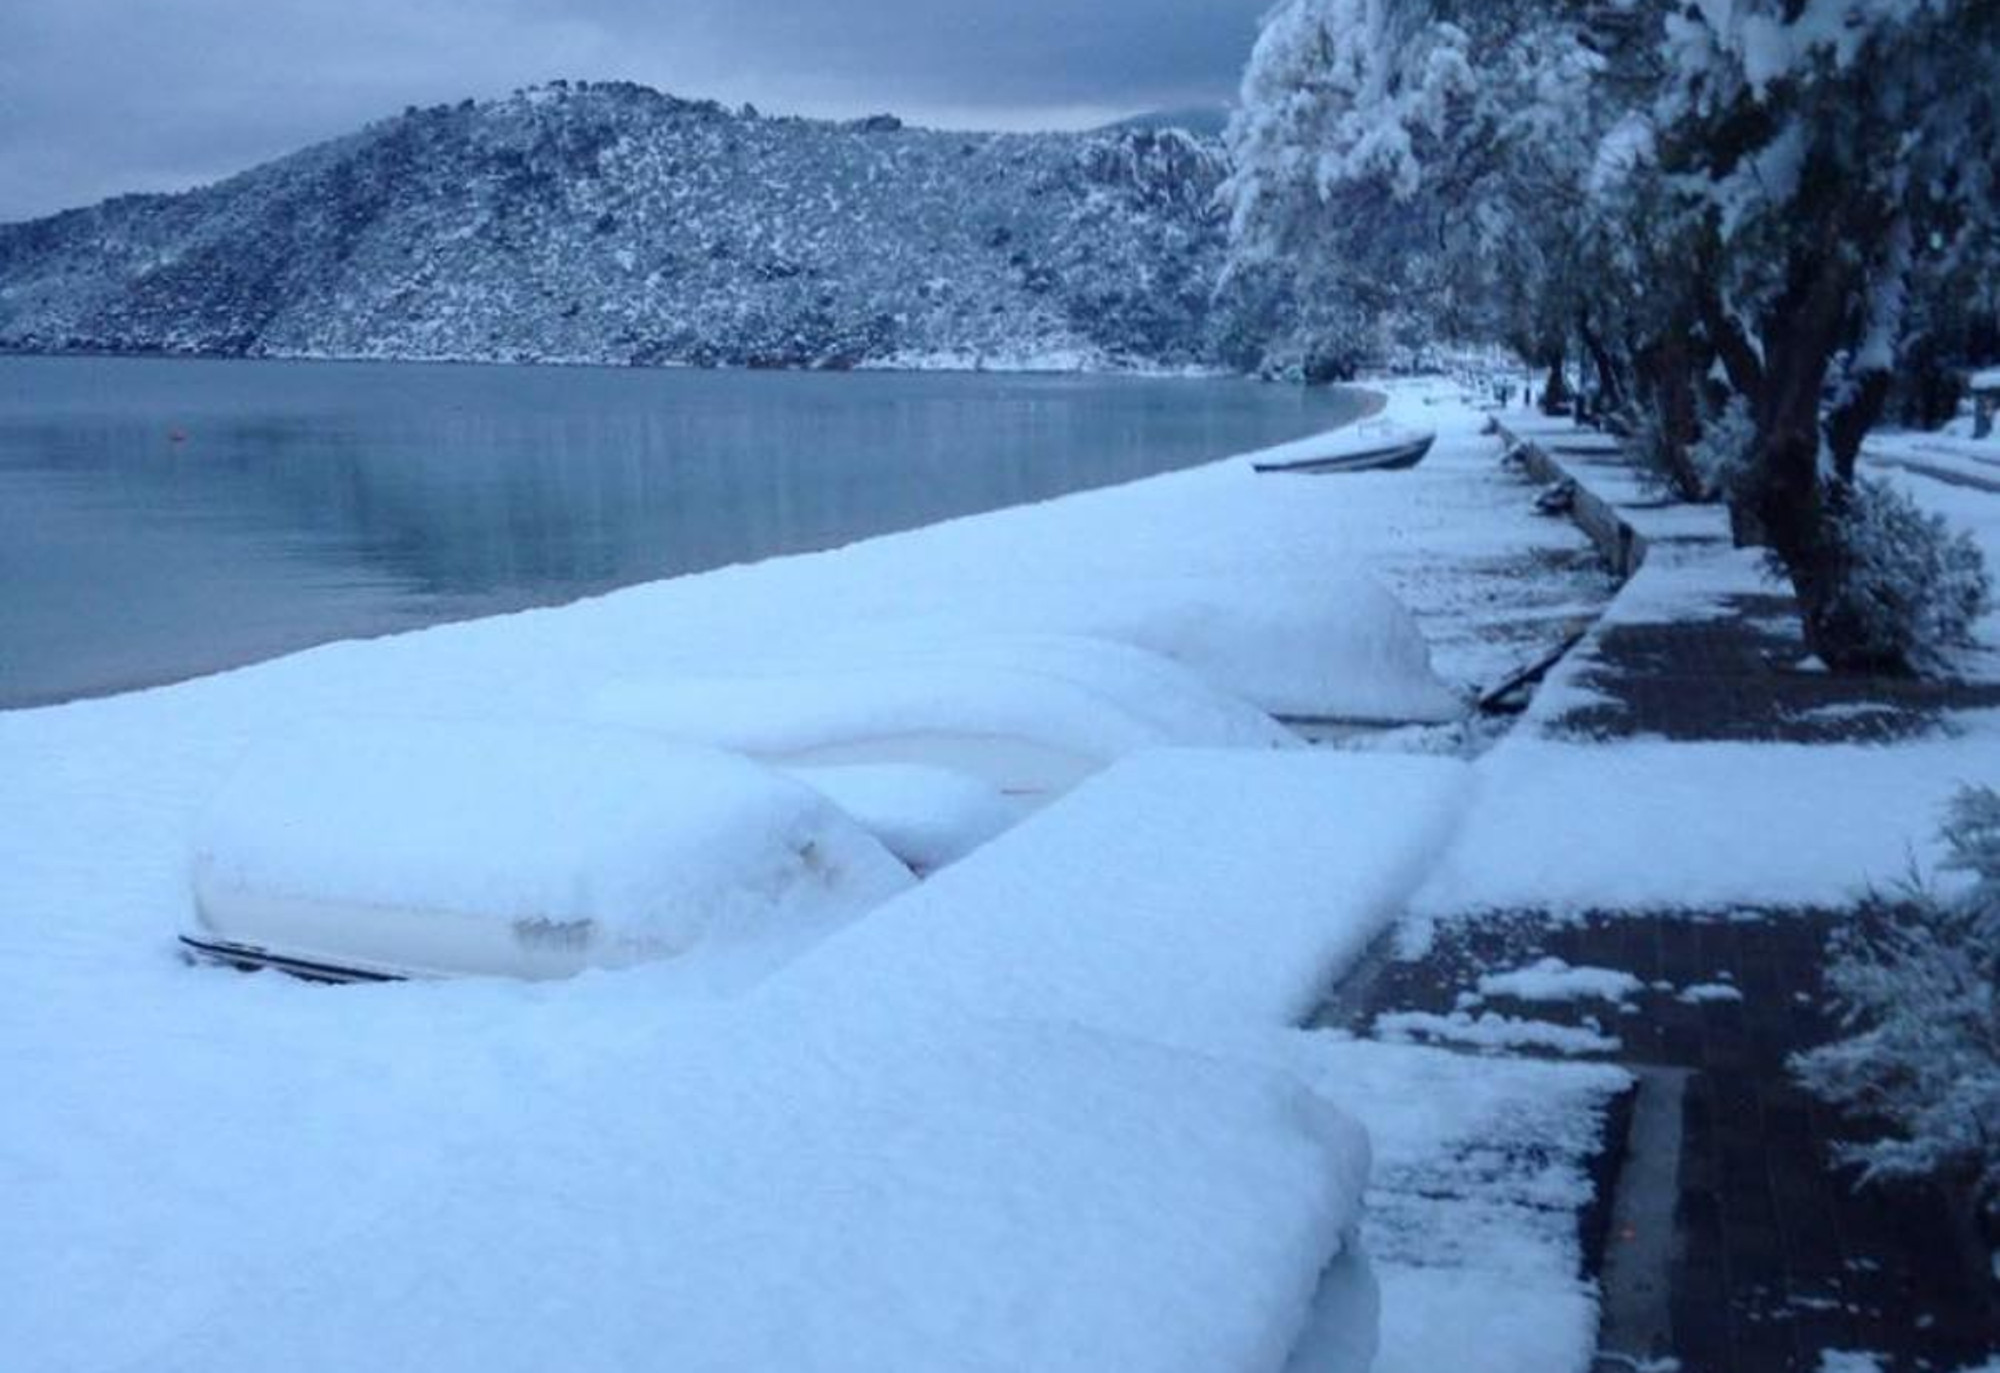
<point x="101" y="96"/>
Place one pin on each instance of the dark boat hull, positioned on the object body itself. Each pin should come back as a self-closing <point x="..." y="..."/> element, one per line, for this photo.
<point x="250" y="958"/>
<point x="1393" y="458"/>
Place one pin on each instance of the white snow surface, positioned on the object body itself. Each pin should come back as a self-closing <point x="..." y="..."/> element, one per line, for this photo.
<point x="1551" y="979"/>
<point x="470" y="1176"/>
<point x="445" y="846"/>
<point x="1180" y="891"/>
<point x="1491" y="1030"/>
<point x="901" y="1152"/>
<point x="1577" y="826"/>
<point x="926" y="816"/>
<point x="1851" y="1361"/>
<point x="1030" y="714"/>
<point x="1473" y="1205"/>
<point x="1569" y="824"/>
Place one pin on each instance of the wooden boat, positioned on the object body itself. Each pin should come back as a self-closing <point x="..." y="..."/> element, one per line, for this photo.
<point x="1363" y="448"/>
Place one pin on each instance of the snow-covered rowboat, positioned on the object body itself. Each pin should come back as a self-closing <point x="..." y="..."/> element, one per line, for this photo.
<point x="371" y="850"/>
<point x="1363" y="448"/>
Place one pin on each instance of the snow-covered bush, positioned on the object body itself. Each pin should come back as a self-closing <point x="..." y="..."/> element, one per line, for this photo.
<point x="1714" y="464"/>
<point x="1917" y="980"/>
<point x="1723" y="453"/>
<point x="1906" y="586"/>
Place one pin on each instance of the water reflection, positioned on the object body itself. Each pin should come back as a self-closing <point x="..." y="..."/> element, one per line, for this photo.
<point x="160" y="518"/>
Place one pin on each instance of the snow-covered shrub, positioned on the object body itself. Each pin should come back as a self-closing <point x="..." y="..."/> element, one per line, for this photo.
<point x="1682" y="471"/>
<point x="1326" y="337"/>
<point x="1906" y="585"/>
<point x="1723" y="454"/>
<point x="1917" y="981"/>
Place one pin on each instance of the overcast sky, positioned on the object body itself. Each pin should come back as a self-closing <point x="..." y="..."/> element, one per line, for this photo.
<point x="103" y="96"/>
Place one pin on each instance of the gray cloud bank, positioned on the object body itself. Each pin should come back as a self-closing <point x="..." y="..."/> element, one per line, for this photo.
<point x="103" y="96"/>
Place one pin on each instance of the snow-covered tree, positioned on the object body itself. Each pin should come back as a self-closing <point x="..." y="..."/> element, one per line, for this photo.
<point x="1767" y="191"/>
<point x="1841" y="157"/>
<point x="1421" y="153"/>
<point x="1918" y="983"/>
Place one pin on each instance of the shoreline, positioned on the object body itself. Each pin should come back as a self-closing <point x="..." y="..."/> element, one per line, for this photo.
<point x="1044" y="364"/>
<point x="1369" y="401"/>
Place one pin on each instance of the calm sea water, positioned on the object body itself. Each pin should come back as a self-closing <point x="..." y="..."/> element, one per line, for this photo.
<point x="160" y="519"/>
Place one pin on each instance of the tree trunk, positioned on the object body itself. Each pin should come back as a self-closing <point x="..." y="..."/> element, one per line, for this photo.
<point x="1746" y="529"/>
<point x="1668" y="368"/>
<point x="1555" y="392"/>
<point x="1610" y="398"/>
<point x="1848" y="425"/>
<point x="1797" y="505"/>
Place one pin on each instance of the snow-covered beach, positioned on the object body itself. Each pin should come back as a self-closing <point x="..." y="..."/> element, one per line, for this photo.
<point x="1048" y="1108"/>
<point x="208" y="1170"/>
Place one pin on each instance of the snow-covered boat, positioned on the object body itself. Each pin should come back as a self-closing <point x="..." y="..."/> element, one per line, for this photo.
<point x="370" y="850"/>
<point x="1371" y="446"/>
<point x="1028" y="715"/>
<point x="702" y="820"/>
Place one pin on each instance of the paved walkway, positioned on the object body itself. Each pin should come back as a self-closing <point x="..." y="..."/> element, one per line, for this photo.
<point x="1961" y="462"/>
<point x="1775" y="1257"/>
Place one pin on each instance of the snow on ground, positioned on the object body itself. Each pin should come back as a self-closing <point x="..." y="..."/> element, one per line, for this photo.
<point x="1493" y="585"/>
<point x="1571" y="825"/>
<point x="901" y="1151"/>
<point x="1551" y="979"/>
<point x="1635" y="826"/>
<point x="840" y="1167"/>
<point x="1679" y="585"/>
<point x="247" y="1174"/>
<point x="1479" y="1178"/>
<point x="1851" y="1361"/>
<point x="1492" y="1031"/>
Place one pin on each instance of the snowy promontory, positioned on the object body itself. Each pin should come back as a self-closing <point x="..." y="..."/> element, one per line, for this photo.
<point x="606" y="222"/>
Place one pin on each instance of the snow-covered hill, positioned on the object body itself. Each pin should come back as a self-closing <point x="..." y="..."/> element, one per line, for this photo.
<point x="607" y="222"/>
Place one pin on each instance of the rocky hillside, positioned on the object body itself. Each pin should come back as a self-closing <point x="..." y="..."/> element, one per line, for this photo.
<point x="607" y="222"/>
